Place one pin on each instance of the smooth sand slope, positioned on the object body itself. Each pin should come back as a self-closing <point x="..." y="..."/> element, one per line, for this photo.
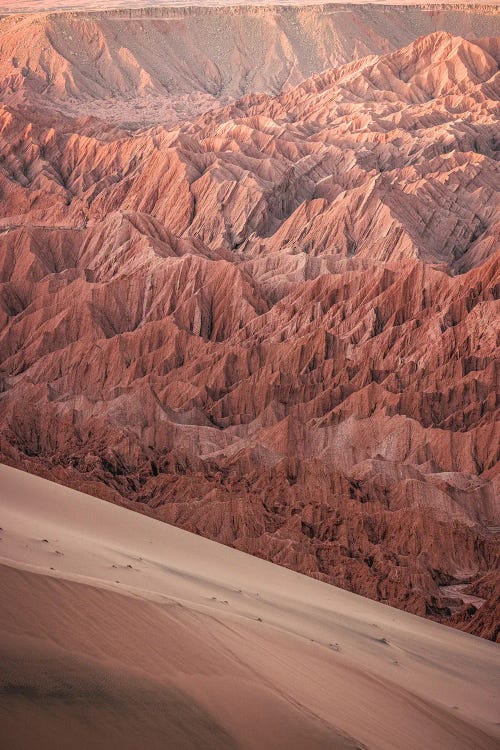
<point x="121" y="631"/>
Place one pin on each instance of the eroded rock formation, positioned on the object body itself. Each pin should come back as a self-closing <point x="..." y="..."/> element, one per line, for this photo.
<point x="274" y="325"/>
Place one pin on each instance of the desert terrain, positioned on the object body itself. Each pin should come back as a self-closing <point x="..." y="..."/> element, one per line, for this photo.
<point x="249" y="283"/>
<point x="143" y="635"/>
<point x="142" y="66"/>
<point x="130" y="6"/>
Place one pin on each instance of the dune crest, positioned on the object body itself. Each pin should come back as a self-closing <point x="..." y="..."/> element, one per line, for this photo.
<point x="140" y="633"/>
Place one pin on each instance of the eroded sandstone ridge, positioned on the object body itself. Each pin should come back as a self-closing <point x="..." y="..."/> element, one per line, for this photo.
<point x="164" y="65"/>
<point x="275" y="324"/>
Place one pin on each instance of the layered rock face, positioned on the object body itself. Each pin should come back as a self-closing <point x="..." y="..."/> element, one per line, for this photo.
<point x="276" y="324"/>
<point x="144" y="66"/>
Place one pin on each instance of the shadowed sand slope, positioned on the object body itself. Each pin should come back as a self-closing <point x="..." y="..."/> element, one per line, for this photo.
<point x="117" y="628"/>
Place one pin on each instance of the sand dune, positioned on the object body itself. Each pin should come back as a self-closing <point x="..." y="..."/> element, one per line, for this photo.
<point x="119" y="630"/>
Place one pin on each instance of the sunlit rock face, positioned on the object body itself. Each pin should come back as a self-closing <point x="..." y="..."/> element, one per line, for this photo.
<point x="142" y="66"/>
<point x="272" y="322"/>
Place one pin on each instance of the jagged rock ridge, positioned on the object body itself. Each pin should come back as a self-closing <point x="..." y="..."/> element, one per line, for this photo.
<point x="164" y="65"/>
<point x="275" y="324"/>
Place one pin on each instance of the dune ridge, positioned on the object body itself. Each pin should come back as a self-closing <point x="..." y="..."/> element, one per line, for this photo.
<point x="140" y="632"/>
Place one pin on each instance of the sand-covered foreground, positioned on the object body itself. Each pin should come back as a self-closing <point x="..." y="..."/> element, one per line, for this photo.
<point x="121" y="631"/>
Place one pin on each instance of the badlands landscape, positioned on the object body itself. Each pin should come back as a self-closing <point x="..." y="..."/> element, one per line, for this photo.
<point x="272" y="323"/>
<point x="249" y="282"/>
